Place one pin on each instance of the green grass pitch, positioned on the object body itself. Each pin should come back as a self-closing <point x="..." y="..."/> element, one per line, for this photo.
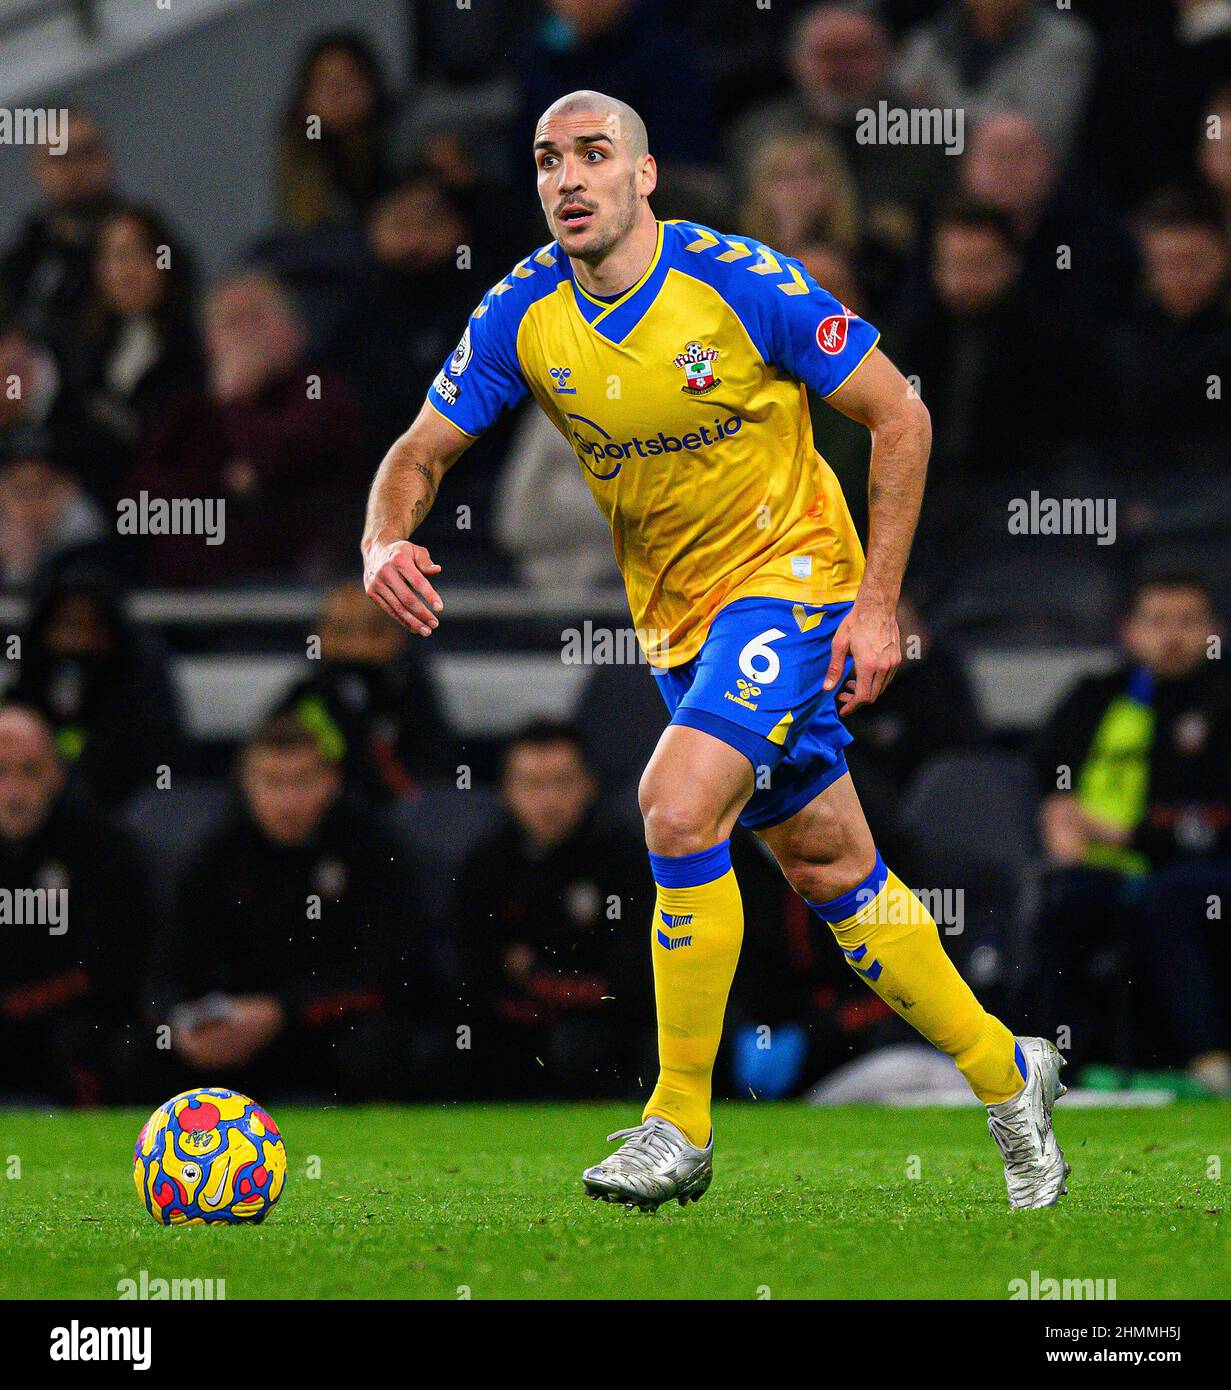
<point x="853" y="1203"/>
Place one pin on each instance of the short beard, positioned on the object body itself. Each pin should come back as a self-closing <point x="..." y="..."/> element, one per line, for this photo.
<point x="625" y="223"/>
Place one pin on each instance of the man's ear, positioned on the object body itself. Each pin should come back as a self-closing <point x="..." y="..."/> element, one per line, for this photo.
<point x="647" y="175"/>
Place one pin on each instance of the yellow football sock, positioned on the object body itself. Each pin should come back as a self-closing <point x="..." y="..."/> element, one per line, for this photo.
<point x="890" y="939"/>
<point x="695" y="940"/>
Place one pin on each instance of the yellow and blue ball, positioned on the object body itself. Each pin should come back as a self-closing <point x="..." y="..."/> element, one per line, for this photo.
<point x="209" y="1156"/>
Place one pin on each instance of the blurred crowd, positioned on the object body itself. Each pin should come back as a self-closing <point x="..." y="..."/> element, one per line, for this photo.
<point x="349" y="914"/>
<point x="1055" y="277"/>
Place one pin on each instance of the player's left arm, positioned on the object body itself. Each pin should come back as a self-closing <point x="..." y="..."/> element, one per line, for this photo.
<point x="877" y="395"/>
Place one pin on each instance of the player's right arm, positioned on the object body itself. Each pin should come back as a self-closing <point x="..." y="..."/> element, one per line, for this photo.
<point x="395" y="570"/>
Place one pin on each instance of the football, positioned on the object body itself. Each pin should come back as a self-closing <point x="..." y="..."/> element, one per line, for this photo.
<point x="209" y="1156"/>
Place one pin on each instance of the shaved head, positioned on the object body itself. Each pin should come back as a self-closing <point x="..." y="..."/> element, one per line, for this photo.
<point x="615" y="118"/>
<point x="595" y="176"/>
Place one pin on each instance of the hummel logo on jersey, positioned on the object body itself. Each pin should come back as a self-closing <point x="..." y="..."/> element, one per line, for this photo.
<point x="698" y="365"/>
<point x="559" y="377"/>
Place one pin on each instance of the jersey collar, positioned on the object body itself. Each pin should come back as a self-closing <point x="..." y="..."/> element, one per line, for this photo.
<point x="615" y="321"/>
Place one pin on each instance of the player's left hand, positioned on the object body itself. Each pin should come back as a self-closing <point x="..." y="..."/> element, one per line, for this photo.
<point x="869" y="636"/>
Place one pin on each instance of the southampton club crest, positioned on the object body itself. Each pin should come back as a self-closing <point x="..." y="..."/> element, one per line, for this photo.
<point x="697" y="363"/>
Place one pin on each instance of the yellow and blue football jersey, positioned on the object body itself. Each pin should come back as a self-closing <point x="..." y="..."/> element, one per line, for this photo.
<point x="685" y="402"/>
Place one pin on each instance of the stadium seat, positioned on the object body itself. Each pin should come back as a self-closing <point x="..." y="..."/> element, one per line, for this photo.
<point x="976" y="806"/>
<point x="440" y="827"/>
<point x="1033" y="597"/>
<point x="972" y="817"/>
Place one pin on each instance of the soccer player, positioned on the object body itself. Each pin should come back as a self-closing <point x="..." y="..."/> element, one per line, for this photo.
<point x="675" y="360"/>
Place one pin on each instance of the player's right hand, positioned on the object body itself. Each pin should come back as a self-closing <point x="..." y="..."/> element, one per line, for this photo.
<point x="395" y="575"/>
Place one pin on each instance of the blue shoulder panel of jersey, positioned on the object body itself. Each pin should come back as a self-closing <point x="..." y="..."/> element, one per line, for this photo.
<point x="793" y="323"/>
<point x="483" y="376"/>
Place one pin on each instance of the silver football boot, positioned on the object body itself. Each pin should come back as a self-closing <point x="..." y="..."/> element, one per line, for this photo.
<point x="654" y="1163"/>
<point x="1034" y="1167"/>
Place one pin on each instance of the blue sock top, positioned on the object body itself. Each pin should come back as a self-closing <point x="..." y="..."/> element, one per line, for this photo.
<point x="691" y="870"/>
<point x="847" y="904"/>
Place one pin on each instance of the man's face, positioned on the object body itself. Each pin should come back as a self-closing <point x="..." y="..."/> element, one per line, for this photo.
<point x="30" y="775"/>
<point x="589" y="185"/>
<point x="79" y="178"/>
<point x="248" y="316"/>
<point x="1168" y="630"/>
<point x="547" y="790"/>
<point x="33" y="495"/>
<point x="1010" y="165"/>
<point x="414" y="229"/>
<point x="339" y="92"/>
<point x="1185" y="268"/>
<point x="127" y="268"/>
<point x="972" y="268"/>
<point x="840" y="60"/>
<point x="288" y="791"/>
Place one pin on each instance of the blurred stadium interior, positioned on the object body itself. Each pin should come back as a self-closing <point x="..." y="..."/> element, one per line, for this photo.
<point x="1087" y="379"/>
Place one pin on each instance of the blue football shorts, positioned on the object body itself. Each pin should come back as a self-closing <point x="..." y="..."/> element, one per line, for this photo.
<point x="756" y="685"/>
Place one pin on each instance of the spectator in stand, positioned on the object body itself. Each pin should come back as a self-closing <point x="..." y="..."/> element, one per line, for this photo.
<point x="68" y="982"/>
<point x="839" y="62"/>
<point x="1010" y="165"/>
<point x="1164" y="354"/>
<point x="631" y="48"/>
<point x="102" y="684"/>
<point x="47" y="519"/>
<point x="45" y="275"/>
<point x="1136" y="820"/>
<point x="333" y="147"/>
<point x="988" y="55"/>
<point x="550" y="917"/>
<point x="284" y="967"/>
<point x="137" y="348"/>
<point x="411" y="302"/>
<point x="371" y="700"/>
<point x="40" y="410"/>
<point x="276" y="440"/>
<point x="973" y="340"/>
<point x="799" y="190"/>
